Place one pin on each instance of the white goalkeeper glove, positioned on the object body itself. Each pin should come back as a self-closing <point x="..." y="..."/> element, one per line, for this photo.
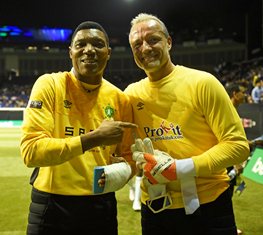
<point x="159" y="167"/>
<point x="154" y="190"/>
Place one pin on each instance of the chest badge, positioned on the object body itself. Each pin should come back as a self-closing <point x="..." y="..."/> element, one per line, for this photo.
<point x="109" y="111"/>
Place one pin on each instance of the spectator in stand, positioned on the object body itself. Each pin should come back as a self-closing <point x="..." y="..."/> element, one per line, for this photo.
<point x="257" y="91"/>
<point x="236" y="93"/>
<point x="14" y="96"/>
<point x="237" y="96"/>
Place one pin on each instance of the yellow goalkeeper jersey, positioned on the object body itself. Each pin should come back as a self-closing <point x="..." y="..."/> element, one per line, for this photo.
<point x="188" y="114"/>
<point x="58" y="112"/>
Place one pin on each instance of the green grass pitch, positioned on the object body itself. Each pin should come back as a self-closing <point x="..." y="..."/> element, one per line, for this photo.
<point x="15" y="196"/>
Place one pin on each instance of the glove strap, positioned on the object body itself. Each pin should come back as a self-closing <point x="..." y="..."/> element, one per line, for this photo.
<point x="159" y="199"/>
<point x="189" y="193"/>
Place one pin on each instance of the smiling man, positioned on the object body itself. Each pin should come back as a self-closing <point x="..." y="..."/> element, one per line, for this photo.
<point x="74" y="122"/>
<point x="191" y="133"/>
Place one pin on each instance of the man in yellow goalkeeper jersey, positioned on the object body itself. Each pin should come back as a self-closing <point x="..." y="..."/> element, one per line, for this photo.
<point x="74" y="122"/>
<point x="190" y="133"/>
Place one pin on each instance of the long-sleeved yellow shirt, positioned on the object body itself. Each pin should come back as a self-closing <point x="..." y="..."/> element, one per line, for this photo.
<point x="188" y="114"/>
<point x="58" y="112"/>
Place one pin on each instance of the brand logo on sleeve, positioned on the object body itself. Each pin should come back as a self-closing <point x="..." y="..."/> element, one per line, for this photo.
<point x="67" y="104"/>
<point x="35" y="104"/>
<point x="140" y="106"/>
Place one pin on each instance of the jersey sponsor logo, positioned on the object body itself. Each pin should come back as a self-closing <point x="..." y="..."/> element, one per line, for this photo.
<point x="67" y="104"/>
<point x="35" y="104"/>
<point x="140" y="106"/>
<point x="164" y="132"/>
<point x="109" y="111"/>
<point x="73" y="131"/>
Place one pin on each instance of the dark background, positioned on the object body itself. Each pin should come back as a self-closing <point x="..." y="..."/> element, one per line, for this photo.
<point x="241" y="18"/>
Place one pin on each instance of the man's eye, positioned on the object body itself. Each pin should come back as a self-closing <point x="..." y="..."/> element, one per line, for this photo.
<point x="79" y="45"/>
<point x="152" y="41"/>
<point x="137" y="45"/>
<point x="99" y="44"/>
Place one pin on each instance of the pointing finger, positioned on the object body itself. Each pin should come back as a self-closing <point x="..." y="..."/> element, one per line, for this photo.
<point x="128" y="125"/>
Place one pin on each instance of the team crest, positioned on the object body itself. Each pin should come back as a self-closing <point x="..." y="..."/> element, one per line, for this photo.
<point x="109" y="111"/>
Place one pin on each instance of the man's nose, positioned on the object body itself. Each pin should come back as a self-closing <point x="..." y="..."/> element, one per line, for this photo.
<point x="89" y="48"/>
<point x="145" y="46"/>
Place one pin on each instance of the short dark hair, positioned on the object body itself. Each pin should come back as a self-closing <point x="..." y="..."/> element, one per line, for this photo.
<point x="90" y="25"/>
<point x="231" y="88"/>
<point x="259" y="79"/>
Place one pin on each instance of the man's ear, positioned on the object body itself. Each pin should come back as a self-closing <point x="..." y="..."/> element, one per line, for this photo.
<point x="70" y="53"/>
<point x="109" y="52"/>
<point x="169" y="42"/>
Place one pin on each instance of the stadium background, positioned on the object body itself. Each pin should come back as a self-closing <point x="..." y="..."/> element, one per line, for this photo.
<point x="220" y="36"/>
<point x="34" y="37"/>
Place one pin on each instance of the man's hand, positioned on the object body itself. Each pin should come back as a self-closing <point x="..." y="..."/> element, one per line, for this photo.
<point x="159" y="167"/>
<point x="113" y="159"/>
<point x="108" y="133"/>
<point x="111" y="178"/>
<point x="111" y="132"/>
<point x="239" y="169"/>
<point x="116" y="159"/>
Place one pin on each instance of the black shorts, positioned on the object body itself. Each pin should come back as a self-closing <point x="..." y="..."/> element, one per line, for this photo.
<point x="52" y="214"/>
<point x="214" y="218"/>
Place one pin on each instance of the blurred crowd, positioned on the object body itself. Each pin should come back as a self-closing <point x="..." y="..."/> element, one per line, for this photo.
<point x="14" y="95"/>
<point x="247" y="74"/>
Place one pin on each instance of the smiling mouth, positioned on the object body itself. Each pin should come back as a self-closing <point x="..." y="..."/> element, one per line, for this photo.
<point x="88" y="61"/>
<point x="149" y="59"/>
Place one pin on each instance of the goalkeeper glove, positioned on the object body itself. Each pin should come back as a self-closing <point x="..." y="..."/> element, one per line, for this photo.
<point x="159" y="167"/>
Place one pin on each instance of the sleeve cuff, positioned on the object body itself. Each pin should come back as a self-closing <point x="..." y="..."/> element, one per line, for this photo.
<point x="185" y="168"/>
